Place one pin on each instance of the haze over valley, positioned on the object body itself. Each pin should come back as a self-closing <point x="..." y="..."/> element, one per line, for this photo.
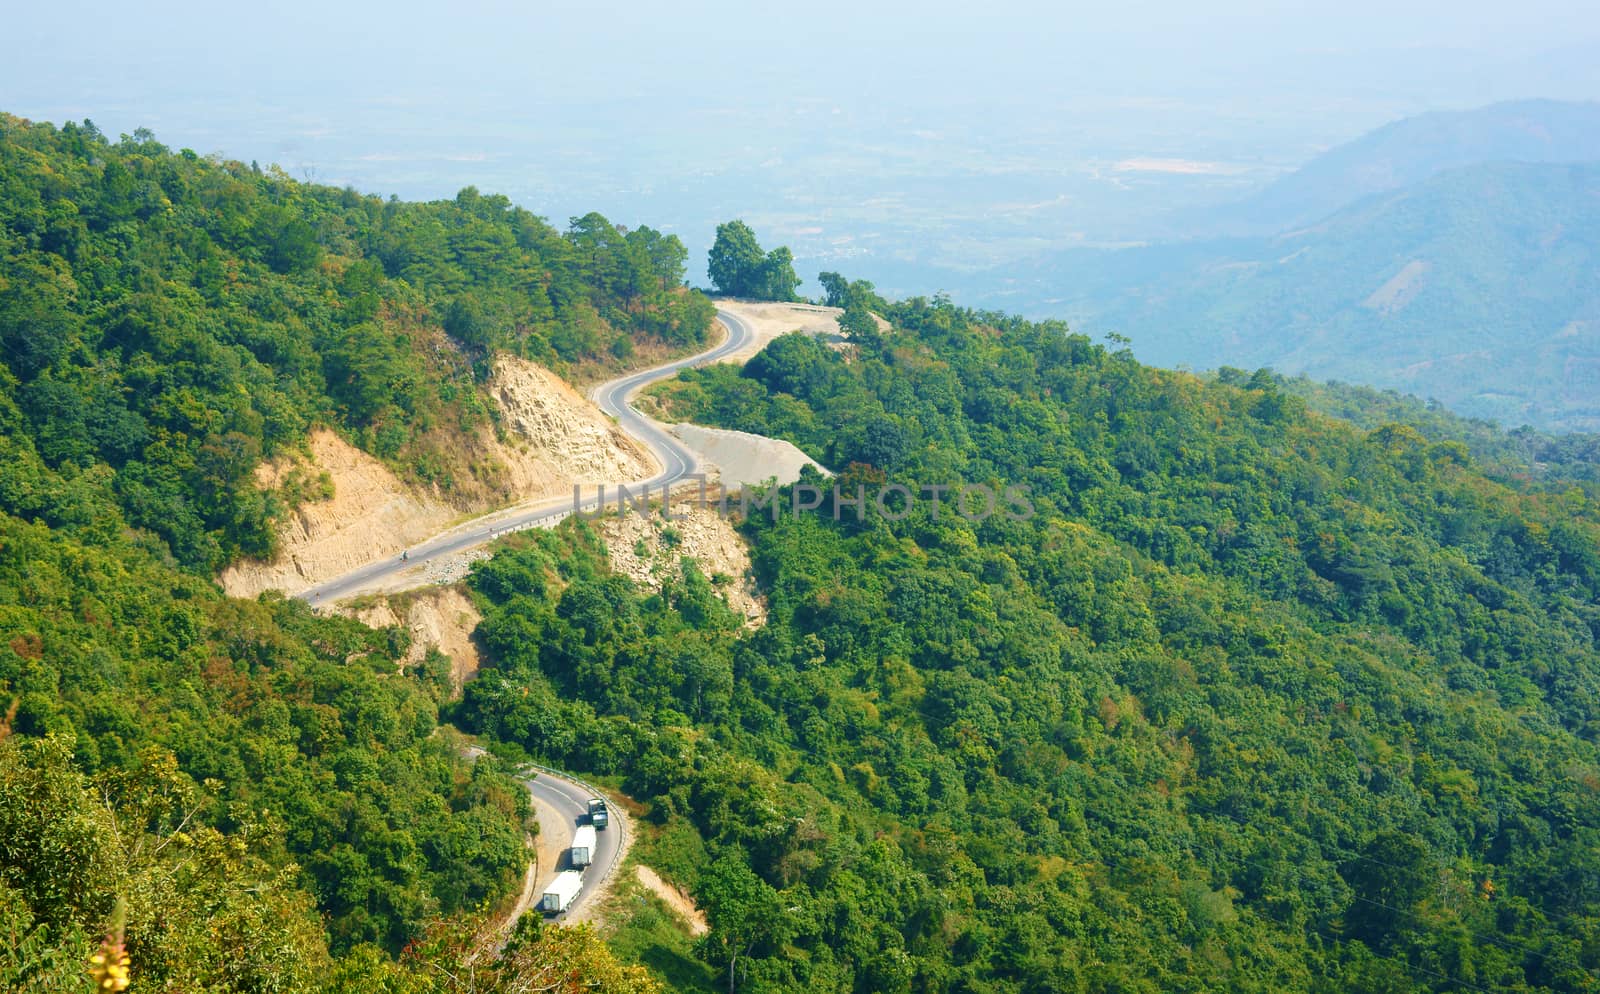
<point x="915" y="148"/>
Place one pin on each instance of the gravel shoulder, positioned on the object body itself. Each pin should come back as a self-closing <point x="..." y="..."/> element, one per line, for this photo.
<point x="769" y="320"/>
<point x="741" y="459"/>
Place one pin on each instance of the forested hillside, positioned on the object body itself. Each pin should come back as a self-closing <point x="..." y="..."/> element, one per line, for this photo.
<point x="1540" y="458"/>
<point x="168" y="320"/>
<point x="1257" y="701"/>
<point x="268" y="793"/>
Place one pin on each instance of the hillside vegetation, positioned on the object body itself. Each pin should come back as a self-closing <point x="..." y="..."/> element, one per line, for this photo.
<point x="1257" y="701"/>
<point x="1541" y="459"/>
<point x="268" y="794"/>
<point x="168" y="320"/>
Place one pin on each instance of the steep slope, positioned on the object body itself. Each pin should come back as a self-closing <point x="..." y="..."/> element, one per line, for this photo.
<point x="651" y="550"/>
<point x="439" y="619"/>
<point x="368" y="511"/>
<point x="553" y="438"/>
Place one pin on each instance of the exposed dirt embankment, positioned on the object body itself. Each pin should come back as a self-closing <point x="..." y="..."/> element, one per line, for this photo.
<point x="371" y="514"/>
<point x="556" y="436"/>
<point x="553" y="438"/>
<point x="675" y="899"/>
<point x="768" y="321"/>
<point x="649" y="549"/>
<point x="441" y="618"/>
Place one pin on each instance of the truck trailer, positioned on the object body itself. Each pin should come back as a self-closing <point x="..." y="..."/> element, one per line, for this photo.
<point x="598" y="815"/>
<point x="582" y="851"/>
<point x="563" y="890"/>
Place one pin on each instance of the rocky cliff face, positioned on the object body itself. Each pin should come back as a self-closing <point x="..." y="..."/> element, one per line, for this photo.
<point x="650" y="549"/>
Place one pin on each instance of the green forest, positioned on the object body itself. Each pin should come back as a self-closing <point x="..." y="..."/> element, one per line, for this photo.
<point x="1523" y="454"/>
<point x="267" y="791"/>
<point x="1260" y="699"/>
<point x="168" y="320"/>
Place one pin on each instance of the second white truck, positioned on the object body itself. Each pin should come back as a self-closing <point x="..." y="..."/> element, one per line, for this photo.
<point x="582" y="852"/>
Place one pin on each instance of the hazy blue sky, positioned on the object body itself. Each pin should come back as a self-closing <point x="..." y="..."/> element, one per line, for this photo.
<point x="663" y="50"/>
<point x="897" y="135"/>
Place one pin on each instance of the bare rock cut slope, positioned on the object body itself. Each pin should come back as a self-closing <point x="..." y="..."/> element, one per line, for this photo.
<point x="553" y="439"/>
<point x="440" y="618"/>
<point x="650" y="549"/>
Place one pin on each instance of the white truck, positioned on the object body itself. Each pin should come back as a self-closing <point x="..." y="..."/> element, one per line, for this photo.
<point x="582" y="851"/>
<point x="563" y="890"/>
<point x="598" y="815"/>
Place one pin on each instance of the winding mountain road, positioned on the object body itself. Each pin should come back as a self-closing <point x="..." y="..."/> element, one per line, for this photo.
<point x="613" y="397"/>
<point x="563" y="805"/>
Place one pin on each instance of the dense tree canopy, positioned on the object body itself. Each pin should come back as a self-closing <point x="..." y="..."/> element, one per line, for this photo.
<point x="267" y="792"/>
<point x="175" y="319"/>
<point x="739" y="268"/>
<point x="1256" y="701"/>
<point x="1523" y="453"/>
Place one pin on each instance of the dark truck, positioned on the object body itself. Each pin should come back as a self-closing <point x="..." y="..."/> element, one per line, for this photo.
<point x="599" y="817"/>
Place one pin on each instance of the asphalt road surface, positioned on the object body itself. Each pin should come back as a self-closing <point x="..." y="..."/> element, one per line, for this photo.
<point x="613" y="397"/>
<point x="562" y="806"/>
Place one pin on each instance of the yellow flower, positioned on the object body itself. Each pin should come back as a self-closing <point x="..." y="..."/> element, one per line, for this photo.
<point x="109" y="966"/>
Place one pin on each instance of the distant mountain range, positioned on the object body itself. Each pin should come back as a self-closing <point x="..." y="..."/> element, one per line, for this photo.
<point x="1415" y="149"/>
<point x="1476" y="283"/>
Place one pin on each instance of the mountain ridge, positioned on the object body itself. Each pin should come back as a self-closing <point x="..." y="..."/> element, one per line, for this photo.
<point x="1413" y="149"/>
<point x="1474" y="287"/>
